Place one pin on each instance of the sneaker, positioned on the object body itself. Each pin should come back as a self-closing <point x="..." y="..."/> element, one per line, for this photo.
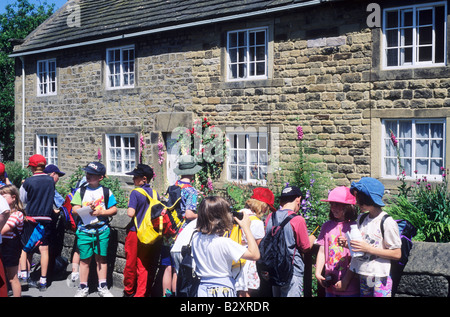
<point x="82" y="292"/>
<point x="104" y="292"/>
<point x="42" y="287"/>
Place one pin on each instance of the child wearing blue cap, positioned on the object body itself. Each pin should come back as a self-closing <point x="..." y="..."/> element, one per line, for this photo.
<point x="93" y="238"/>
<point x="379" y="247"/>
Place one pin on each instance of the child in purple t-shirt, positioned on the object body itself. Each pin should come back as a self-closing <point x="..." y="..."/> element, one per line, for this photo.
<point x="332" y="256"/>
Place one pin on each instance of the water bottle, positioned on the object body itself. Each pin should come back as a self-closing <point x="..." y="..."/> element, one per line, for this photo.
<point x="354" y="234"/>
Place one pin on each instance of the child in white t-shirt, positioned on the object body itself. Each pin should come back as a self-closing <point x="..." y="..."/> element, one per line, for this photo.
<point x="213" y="253"/>
<point x="379" y="248"/>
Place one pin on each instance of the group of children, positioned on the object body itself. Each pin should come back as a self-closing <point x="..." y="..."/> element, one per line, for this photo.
<point x="225" y="267"/>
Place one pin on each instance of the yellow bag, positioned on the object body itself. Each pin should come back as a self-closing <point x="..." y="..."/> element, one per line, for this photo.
<point x="158" y="220"/>
<point x="236" y="235"/>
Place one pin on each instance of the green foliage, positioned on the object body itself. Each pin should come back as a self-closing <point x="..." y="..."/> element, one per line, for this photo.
<point x="239" y="194"/>
<point x="114" y="184"/>
<point x="424" y="205"/>
<point x="16" y="173"/>
<point x="427" y="207"/>
<point x="207" y="145"/>
<point x="17" y="22"/>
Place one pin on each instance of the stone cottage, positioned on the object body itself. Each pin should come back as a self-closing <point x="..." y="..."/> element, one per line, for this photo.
<point x="102" y="75"/>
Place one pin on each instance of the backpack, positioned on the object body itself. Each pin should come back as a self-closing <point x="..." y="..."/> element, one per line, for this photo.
<point x="66" y="213"/>
<point x="407" y="232"/>
<point x="187" y="280"/>
<point x="173" y="194"/>
<point x="276" y="265"/>
<point x="158" y="220"/>
<point x="236" y="235"/>
<point x="31" y="235"/>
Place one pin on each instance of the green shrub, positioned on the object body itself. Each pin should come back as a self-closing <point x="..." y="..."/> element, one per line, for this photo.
<point x="16" y="173"/>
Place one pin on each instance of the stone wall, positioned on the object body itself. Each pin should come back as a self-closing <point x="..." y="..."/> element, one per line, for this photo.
<point x="427" y="273"/>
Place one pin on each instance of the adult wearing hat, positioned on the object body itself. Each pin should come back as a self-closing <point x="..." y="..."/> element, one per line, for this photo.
<point x="140" y="258"/>
<point x="297" y="239"/>
<point x="186" y="170"/>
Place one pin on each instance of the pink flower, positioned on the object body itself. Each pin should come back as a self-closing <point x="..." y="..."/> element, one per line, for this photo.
<point x="160" y="152"/>
<point x="209" y="184"/>
<point x="394" y="139"/>
<point x="99" y="154"/>
<point x="299" y="133"/>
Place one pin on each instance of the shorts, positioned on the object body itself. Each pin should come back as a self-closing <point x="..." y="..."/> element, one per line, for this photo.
<point x="166" y="259"/>
<point x="11" y="251"/>
<point x="48" y="232"/>
<point x="375" y="286"/>
<point x="97" y="243"/>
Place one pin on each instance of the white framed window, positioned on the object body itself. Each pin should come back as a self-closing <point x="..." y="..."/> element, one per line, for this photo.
<point x="415" y="36"/>
<point x="247" y="54"/>
<point x="120" y="67"/>
<point x="248" y="158"/>
<point x="47" y="146"/>
<point x="46" y="77"/>
<point x="421" y="147"/>
<point x="121" y="151"/>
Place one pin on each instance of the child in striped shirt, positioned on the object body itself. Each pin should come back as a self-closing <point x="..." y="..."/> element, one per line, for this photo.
<point x="12" y="246"/>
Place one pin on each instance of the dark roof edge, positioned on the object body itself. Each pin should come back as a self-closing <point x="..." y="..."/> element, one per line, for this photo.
<point x="19" y="53"/>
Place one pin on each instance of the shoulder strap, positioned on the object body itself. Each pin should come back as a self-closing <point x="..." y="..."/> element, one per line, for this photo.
<point x="382" y="224"/>
<point x="106" y="196"/>
<point x="361" y="219"/>
<point x="145" y="193"/>
<point x="284" y="222"/>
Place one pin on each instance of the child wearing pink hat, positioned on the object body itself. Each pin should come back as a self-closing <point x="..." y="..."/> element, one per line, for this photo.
<point x="333" y="260"/>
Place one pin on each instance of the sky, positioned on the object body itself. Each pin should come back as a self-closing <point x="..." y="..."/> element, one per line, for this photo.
<point x="58" y="3"/>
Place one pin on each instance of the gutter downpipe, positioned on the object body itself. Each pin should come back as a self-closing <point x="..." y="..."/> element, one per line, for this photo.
<point x="22" y="59"/>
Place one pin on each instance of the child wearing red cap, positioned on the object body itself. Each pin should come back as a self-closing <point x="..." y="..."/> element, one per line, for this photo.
<point x="333" y="260"/>
<point x="37" y="192"/>
<point x="4" y="180"/>
<point x="246" y="274"/>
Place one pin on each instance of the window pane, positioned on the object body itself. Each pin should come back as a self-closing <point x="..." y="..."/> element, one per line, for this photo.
<point x="392" y="38"/>
<point x="437" y="149"/>
<point x="392" y="19"/>
<point x="407" y="18"/>
<point x="425" y="17"/>
<point x="422" y="130"/>
<point x="405" y="129"/>
<point x="392" y="57"/>
<point x="232" y="39"/>
<point x="405" y="147"/>
<point x="436" y="167"/>
<point x="425" y="35"/>
<point x="422" y="148"/>
<point x="437" y="130"/>
<point x="391" y="166"/>
<point x="422" y="166"/>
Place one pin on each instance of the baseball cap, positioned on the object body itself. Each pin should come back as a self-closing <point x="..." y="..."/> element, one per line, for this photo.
<point x="36" y="160"/>
<point x="95" y="168"/>
<point x="265" y="195"/>
<point x="291" y="191"/>
<point x="50" y="168"/>
<point x="142" y="170"/>
<point x="341" y="195"/>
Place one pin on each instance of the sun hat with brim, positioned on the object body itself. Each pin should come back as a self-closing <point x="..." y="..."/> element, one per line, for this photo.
<point x="265" y="195"/>
<point x="341" y="195"/>
<point x="370" y="187"/>
<point x="187" y="166"/>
